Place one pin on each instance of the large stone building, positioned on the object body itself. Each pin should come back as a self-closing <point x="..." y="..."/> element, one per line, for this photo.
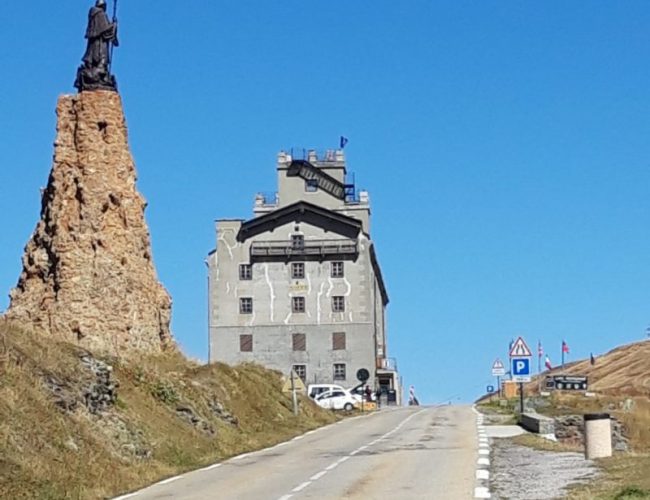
<point x="298" y="285"/>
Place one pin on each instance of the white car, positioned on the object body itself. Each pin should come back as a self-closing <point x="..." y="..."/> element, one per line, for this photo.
<point x="338" y="399"/>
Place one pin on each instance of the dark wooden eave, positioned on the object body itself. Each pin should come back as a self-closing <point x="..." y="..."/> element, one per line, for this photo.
<point x="378" y="276"/>
<point x="301" y="211"/>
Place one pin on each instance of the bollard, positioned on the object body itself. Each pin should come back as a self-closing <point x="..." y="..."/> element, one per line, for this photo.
<point x="598" y="435"/>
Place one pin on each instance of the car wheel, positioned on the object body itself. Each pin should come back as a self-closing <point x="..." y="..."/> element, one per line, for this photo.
<point x="348" y="407"/>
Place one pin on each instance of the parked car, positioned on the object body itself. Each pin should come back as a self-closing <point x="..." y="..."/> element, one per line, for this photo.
<point x="314" y="390"/>
<point x="338" y="399"/>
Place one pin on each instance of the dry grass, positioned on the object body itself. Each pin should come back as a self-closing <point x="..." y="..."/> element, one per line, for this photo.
<point x="48" y="453"/>
<point x="624" y="477"/>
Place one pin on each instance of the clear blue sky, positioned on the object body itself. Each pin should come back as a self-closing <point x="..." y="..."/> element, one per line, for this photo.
<point x="505" y="145"/>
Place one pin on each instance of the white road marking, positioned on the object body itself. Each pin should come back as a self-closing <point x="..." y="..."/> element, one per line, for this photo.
<point x="210" y="467"/>
<point x="481" y="492"/>
<point x="483" y="452"/>
<point x="317" y="476"/>
<point x="170" y="480"/>
<point x="298" y="438"/>
<point x="239" y="457"/>
<point x="124" y="497"/>
<point x="483" y="461"/>
<point x="301" y="486"/>
<point x="334" y="465"/>
<point x="482" y="474"/>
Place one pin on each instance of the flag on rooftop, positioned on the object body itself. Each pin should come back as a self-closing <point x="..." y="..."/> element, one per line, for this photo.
<point x="565" y="347"/>
<point x="344" y="141"/>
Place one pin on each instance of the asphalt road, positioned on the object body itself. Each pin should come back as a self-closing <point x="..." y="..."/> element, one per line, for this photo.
<point x="417" y="452"/>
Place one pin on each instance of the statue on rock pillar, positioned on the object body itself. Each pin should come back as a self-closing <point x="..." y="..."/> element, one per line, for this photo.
<point x="95" y="72"/>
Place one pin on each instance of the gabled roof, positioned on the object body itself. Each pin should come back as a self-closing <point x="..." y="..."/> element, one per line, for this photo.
<point x="301" y="211"/>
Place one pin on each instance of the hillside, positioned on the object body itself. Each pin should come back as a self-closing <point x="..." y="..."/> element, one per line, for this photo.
<point x="624" y="371"/>
<point x="74" y="425"/>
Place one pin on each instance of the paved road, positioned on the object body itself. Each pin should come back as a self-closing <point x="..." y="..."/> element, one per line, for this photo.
<point x="417" y="452"/>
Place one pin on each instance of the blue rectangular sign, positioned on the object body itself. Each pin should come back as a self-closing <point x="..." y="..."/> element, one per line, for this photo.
<point x="520" y="369"/>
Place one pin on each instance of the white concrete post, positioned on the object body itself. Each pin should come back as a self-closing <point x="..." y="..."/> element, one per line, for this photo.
<point x="598" y="435"/>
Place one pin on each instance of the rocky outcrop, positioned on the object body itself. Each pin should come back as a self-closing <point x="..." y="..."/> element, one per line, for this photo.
<point x="88" y="275"/>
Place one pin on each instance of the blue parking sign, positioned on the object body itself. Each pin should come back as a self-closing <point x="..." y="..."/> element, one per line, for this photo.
<point x="520" y="369"/>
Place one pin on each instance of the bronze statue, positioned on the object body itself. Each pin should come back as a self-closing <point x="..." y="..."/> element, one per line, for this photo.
<point x="95" y="72"/>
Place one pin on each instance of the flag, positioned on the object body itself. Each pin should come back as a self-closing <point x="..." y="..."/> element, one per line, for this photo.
<point x="592" y="360"/>
<point x="565" y="347"/>
<point x="540" y="351"/>
<point x="547" y="363"/>
<point x="344" y="141"/>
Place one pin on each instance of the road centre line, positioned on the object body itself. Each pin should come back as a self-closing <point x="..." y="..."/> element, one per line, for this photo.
<point x="318" y="475"/>
<point x="301" y="486"/>
<point x="334" y="465"/>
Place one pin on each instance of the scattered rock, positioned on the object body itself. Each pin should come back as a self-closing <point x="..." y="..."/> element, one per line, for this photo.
<point x="101" y="395"/>
<point x="220" y="411"/>
<point x="189" y="415"/>
<point x="71" y="445"/>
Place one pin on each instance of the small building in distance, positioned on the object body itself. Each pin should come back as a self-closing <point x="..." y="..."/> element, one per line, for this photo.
<point x="299" y="285"/>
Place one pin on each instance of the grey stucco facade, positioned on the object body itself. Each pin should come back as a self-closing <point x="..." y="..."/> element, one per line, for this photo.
<point x="298" y="285"/>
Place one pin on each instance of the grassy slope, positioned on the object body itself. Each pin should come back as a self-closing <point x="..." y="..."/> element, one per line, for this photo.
<point x="621" y="374"/>
<point x="46" y="452"/>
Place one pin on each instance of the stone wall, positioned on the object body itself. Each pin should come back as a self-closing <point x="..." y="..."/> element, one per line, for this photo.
<point x="88" y="276"/>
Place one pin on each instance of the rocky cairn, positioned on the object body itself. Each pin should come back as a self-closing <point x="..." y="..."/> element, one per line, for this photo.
<point x="88" y="275"/>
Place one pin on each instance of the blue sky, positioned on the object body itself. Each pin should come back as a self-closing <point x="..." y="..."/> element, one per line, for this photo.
<point x="505" y="146"/>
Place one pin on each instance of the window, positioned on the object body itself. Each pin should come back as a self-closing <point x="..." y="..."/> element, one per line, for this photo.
<point x="297" y="270"/>
<point x="298" y="304"/>
<point x="245" y="272"/>
<point x="337" y="269"/>
<point x="246" y="305"/>
<point x="311" y="185"/>
<point x="299" y="342"/>
<point x="338" y="303"/>
<point x="297" y="241"/>
<point x="339" y="371"/>
<point x="338" y="341"/>
<point x="301" y="371"/>
<point x="246" y="343"/>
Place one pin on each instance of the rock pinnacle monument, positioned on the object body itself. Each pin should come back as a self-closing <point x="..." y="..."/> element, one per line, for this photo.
<point x="88" y="276"/>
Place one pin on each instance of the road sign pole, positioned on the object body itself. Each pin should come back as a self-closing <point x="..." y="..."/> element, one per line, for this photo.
<point x="294" y="398"/>
<point x="521" y="398"/>
<point x="499" y="385"/>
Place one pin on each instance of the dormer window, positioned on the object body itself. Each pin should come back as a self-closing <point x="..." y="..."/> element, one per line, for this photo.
<point x="311" y="185"/>
<point x="297" y="241"/>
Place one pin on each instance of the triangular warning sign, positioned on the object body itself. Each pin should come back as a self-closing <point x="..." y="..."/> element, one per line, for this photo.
<point x="497" y="364"/>
<point x="298" y="384"/>
<point x="520" y="349"/>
